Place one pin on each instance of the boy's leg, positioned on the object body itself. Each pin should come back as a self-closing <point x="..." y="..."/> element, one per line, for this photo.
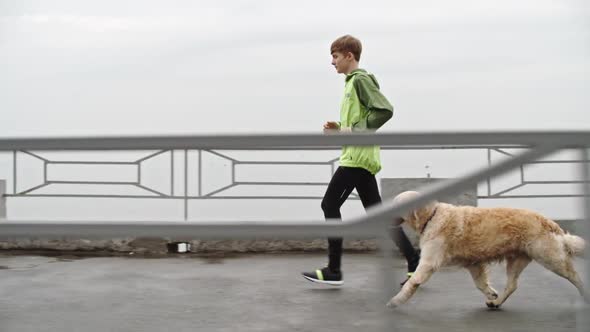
<point x="339" y="188"/>
<point x="403" y="243"/>
<point x="369" y="193"/>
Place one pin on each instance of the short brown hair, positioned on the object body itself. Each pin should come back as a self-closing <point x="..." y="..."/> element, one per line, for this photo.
<point x="347" y="43"/>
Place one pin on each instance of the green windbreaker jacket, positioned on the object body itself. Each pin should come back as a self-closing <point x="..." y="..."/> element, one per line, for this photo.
<point x="364" y="108"/>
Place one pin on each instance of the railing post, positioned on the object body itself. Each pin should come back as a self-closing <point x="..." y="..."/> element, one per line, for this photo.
<point x="2" y="199"/>
<point x="582" y="319"/>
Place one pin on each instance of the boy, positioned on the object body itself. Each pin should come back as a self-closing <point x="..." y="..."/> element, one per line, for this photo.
<point x="363" y="108"/>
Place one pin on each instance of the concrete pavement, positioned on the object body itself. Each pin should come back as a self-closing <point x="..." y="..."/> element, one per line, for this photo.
<point x="262" y="292"/>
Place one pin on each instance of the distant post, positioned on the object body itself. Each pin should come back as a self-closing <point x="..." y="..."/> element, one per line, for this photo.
<point x="2" y="199"/>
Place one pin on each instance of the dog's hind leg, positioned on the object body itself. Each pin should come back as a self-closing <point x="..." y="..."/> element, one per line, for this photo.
<point x="479" y="273"/>
<point x="514" y="267"/>
<point x="564" y="267"/>
<point x="553" y="255"/>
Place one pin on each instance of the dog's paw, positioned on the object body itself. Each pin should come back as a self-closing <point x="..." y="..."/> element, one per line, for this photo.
<point x="493" y="305"/>
<point x="492" y="295"/>
<point x="392" y="304"/>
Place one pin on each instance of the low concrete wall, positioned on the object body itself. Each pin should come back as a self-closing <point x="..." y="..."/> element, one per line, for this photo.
<point x="157" y="246"/>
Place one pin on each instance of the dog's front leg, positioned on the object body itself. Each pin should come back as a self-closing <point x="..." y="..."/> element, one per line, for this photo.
<point x="422" y="274"/>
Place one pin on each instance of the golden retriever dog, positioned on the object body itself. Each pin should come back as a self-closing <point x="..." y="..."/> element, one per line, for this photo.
<point x="474" y="237"/>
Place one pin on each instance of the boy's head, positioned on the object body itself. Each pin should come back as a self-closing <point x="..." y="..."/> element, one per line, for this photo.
<point x="346" y="53"/>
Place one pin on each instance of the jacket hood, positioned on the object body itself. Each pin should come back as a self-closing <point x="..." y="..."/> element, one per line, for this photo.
<point x="362" y="72"/>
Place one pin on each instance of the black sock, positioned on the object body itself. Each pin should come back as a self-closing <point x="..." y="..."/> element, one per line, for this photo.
<point x="334" y="254"/>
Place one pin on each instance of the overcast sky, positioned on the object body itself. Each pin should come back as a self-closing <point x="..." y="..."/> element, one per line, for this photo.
<point x="74" y="67"/>
<point x="190" y="67"/>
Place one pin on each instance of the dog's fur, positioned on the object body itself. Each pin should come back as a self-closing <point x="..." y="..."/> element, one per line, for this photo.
<point x="474" y="237"/>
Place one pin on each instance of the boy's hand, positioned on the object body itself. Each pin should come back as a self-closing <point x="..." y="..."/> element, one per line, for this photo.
<point x="330" y="127"/>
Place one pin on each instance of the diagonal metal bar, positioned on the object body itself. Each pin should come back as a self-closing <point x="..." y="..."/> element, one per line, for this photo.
<point x="150" y="156"/>
<point x="498" y="194"/>
<point x="150" y="190"/>
<point x="503" y="152"/>
<point x="34" y="155"/>
<point x="220" y="190"/>
<point x="221" y="155"/>
<point x="32" y="189"/>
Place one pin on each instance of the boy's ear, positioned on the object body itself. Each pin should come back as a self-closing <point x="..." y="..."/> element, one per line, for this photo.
<point x="349" y="55"/>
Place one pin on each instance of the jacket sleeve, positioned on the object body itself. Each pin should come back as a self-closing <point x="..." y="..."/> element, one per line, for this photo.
<point x="378" y="107"/>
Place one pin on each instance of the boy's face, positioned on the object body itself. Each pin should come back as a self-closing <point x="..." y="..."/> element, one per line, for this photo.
<point x="342" y="62"/>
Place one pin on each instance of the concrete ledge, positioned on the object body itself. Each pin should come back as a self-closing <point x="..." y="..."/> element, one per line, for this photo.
<point x="157" y="246"/>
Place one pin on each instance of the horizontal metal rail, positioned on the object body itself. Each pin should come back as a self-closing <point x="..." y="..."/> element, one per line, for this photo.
<point x="566" y="139"/>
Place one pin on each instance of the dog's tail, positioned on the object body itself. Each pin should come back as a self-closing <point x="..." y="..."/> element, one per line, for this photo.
<point x="574" y="245"/>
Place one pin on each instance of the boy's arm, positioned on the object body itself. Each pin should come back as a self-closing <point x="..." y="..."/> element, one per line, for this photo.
<point x="379" y="108"/>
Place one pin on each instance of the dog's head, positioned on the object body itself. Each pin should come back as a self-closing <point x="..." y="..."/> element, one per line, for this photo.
<point x="418" y="217"/>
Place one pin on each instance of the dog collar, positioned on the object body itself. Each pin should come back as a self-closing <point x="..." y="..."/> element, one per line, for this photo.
<point x="428" y="220"/>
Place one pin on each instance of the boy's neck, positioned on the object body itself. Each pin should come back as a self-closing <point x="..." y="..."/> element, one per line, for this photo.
<point x="353" y="66"/>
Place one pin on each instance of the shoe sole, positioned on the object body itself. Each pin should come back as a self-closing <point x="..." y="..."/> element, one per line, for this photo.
<point x="326" y="282"/>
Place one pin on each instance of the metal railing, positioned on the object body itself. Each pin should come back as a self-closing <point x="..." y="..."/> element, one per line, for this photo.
<point x="195" y="170"/>
<point x="373" y="224"/>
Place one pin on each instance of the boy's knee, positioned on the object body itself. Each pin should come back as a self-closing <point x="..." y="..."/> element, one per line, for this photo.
<point x="328" y="206"/>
